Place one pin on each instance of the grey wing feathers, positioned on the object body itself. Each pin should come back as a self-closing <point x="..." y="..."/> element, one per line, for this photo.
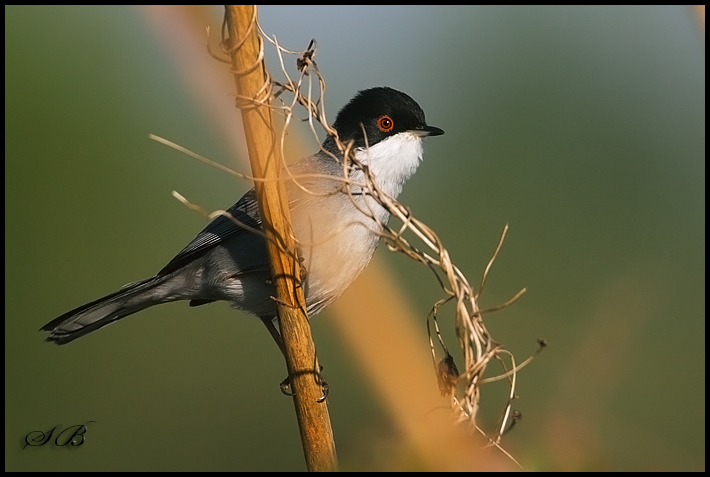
<point x="245" y="211"/>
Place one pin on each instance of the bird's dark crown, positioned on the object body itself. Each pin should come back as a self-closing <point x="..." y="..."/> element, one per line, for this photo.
<point x="366" y="109"/>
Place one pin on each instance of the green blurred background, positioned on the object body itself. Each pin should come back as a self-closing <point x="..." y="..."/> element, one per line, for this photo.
<point x="581" y="127"/>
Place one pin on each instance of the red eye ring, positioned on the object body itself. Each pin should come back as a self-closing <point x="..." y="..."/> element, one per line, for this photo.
<point x="385" y="123"/>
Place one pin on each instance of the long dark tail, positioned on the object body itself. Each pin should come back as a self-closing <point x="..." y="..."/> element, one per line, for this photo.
<point x="104" y="311"/>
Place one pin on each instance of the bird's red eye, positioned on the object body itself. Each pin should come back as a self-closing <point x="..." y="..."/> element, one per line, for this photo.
<point x="385" y="123"/>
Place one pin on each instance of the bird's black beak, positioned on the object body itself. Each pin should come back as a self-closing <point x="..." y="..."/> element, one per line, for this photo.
<point x="428" y="131"/>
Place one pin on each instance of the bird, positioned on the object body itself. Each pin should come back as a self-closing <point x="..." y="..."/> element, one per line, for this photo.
<point x="336" y="223"/>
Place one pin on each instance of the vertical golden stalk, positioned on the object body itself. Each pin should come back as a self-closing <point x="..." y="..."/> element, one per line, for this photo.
<point x="245" y="48"/>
